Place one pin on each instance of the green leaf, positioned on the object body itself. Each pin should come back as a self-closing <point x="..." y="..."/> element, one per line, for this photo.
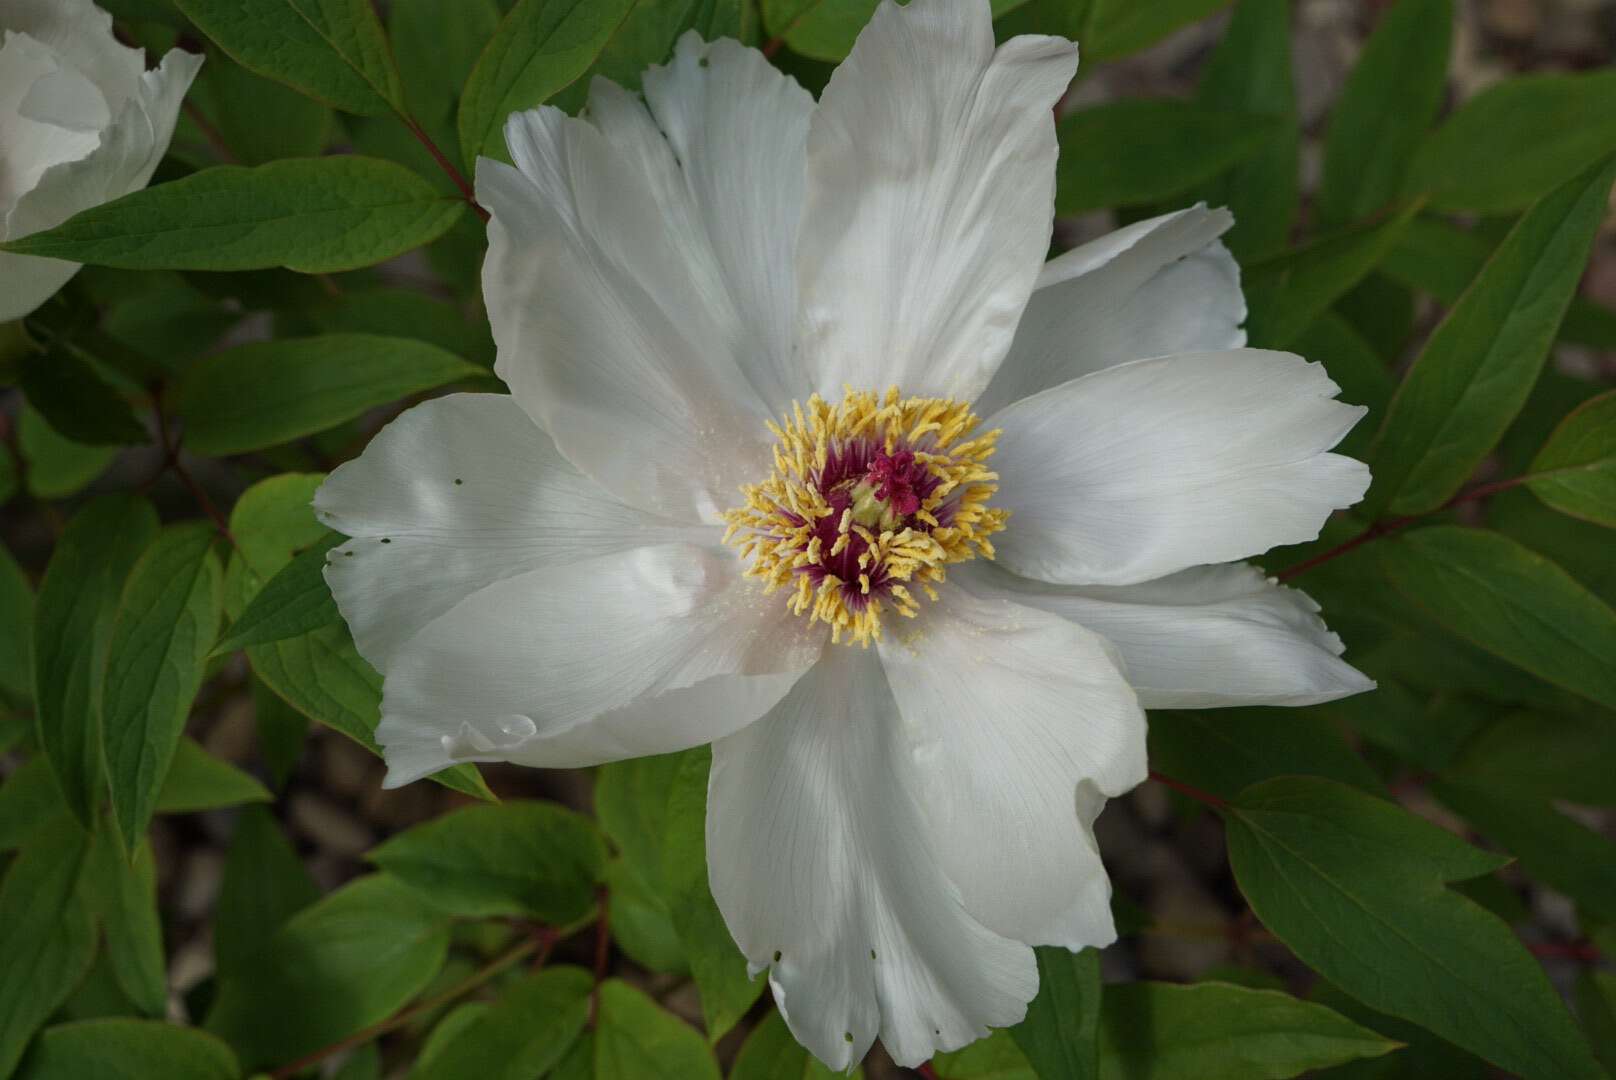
<point x="73" y="621"/>
<point x="1356" y="887"/>
<point x="121" y="1049"/>
<point x="1355" y="366"/>
<point x="642" y="926"/>
<point x="16" y="628"/>
<point x="526" y="1031"/>
<point x="270" y="392"/>
<point x="259" y="119"/>
<point x="199" y="781"/>
<point x="646" y="37"/>
<point x="1510" y="601"/>
<point x="771" y="1052"/>
<point x="1154" y="151"/>
<point x="75" y="400"/>
<point x="1551" y="757"/>
<point x="1552" y="848"/>
<point x="1386" y="107"/>
<point x="437" y="45"/>
<point x="264" y="885"/>
<point x="1060" y="1035"/>
<point x="636" y="1038"/>
<point x="272" y="521"/>
<point x="293" y="602"/>
<point x="1118" y="28"/>
<point x="1575" y="472"/>
<point x="1423" y="1056"/>
<point x="655" y="809"/>
<point x="1250" y="72"/>
<point x="345" y="962"/>
<point x="30" y="801"/>
<point x="49" y="938"/>
<point x="1473" y="162"/>
<point x="56" y="466"/>
<point x="319" y="674"/>
<point x="994" y="1058"/>
<point x="123" y="893"/>
<point x="1479" y="366"/>
<point x="1288" y="292"/>
<point x="1225" y="750"/>
<point x="282" y="731"/>
<point x="1428" y="733"/>
<point x="518" y="858"/>
<point x="826" y="29"/>
<point x="332" y="50"/>
<point x="540" y="47"/>
<point x="322" y="675"/>
<point x="405" y="313"/>
<point x="313" y="215"/>
<point x="1217" y="1031"/>
<point x="1596" y="1006"/>
<point x="167" y="621"/>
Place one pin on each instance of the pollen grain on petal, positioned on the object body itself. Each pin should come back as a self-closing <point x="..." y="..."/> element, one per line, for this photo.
<point x="868" y="501"/>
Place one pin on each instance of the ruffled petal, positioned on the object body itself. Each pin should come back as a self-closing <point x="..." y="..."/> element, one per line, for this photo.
<point x="1154" y="288"/>
<point x="824" y="869"/>
<point x="80" y="33"/>
<point x="452" y="496"/>
<point x="739" y="129"/>
<point x="1150" y="467"/>
<point x="1202" y="638"/>
<point x="931" y="181"/>
<point x="1019" y="727"/>
<point x="637" y="652"/>
<point x="123" y="161"/>
<point x="614" y="325"/>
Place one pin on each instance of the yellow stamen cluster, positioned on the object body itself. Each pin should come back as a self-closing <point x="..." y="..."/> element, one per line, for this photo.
<point x="780" y="526"/>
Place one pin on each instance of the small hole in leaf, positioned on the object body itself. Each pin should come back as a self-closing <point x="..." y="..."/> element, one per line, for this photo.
<point x="848" y="1035"/>
<point x="872" y="954"/>
<point x="777" y="956"/>
<point x="459" y="481"/>
<point x="347" y="554"/>
<point x="385" y="540"/>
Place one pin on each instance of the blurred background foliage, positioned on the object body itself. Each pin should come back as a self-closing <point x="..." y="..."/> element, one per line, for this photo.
<point x="203" y="879"/>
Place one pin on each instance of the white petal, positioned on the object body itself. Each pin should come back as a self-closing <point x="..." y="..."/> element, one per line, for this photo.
<point x="615" y="328"/>
<point x="1202" y="638"/>
<point x="1020" y="726"/>
<point x="466" y="490"/>
<point x="825" y="873"/>
<point x="931" y="181"/>
<point x="1149" y="467"/>
<point x="81" y="35"/>
<point x="739" y="128"/>
<point x="123" y="161"/>
<point x="637" y="652"/>
<point x="1154" y="288"/>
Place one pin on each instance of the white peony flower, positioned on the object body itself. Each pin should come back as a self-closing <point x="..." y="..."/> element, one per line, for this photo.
<point x="82" y="122"/>
<point x="920" y="643"/>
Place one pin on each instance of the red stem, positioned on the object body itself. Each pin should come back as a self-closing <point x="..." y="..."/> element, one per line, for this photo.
<point x="211" y="133"/>
<point x="925" y="1070"/>
<point x="1195" y="793"/>
<point x="171" y="459"/>
<point x="1390" y="525"/>
<point x="446" y="165"/>
<point x="1582" y="951"/>
<point x="771" y="47"/>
